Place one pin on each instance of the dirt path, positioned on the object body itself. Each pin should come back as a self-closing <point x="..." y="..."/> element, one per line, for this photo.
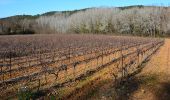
<point x="152" y="83"/>
<point x="156" y="76"/>
<point x="160" y="62"/>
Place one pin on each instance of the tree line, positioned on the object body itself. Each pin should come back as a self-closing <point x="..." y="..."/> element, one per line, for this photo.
<point x="137" y="20"/>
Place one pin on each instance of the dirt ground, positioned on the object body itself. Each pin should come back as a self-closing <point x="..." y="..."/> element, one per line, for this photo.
<point x="151" y="83"/>
<point x="156" y="76"/>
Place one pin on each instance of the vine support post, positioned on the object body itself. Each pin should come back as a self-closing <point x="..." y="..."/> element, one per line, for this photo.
<point x="65" y="69"/>
<point x="102" y="57"/>
<point x="1" y="65"/>
<point x="138" y="55"/>
<point x="97" y="61"/>
<point x="69" y="54"/>
<point x="122" y="61"/>
<point x="74" y="72"/>
<point x="109" y="56"/>
<point x="3" y="77"/>
<point x="74" y="68"/>
<point x="10" y="60"/>
<point x="168" y="58"/>
<point x="91" y="63"/>
<point x="46" y="78"/>
<point x="39" y="84"/>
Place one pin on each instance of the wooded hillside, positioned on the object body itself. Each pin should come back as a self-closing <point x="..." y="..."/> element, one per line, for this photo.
<point x="131" y="20"/>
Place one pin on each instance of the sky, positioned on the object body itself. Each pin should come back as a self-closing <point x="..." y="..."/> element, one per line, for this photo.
<point x="33" y="7"/>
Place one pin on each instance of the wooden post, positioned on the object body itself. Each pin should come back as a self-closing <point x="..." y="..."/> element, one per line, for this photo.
<point x="138" y="52"/>
<point x="74" y="68"/>
<point x="10" y="57"/>
<point x="74" y="71"/>
<point x="122" y="62"/>
<point x="97" y="61"/>
<point x="168" y="59"/>
<point x="102" y="57"/>
<point x="46" y="77"/>
<point x="1" y="65"/>
<point x="39" y="84"/>
<point x="69" y="55"/>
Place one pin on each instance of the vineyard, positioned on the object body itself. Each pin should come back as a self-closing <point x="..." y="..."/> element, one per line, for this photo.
<point x="37" y="62"/>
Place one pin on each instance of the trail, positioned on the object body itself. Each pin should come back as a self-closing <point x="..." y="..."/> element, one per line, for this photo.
<point x="160" y="62"/>
<point x="157" y="72"/>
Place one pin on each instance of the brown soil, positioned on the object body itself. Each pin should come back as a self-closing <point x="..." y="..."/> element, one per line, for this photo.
<point x="159" y="68"/>
<point x="151" y="83"/>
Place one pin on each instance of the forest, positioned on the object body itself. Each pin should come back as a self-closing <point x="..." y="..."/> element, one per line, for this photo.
<point x="153" y="21"/>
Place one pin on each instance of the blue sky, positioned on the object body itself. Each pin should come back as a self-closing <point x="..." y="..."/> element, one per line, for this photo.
<point x="32" y="7"/>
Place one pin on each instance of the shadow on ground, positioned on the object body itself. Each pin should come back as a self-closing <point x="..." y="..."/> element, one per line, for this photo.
<point x="163" y="91"/>
<point x="124" y="89"/>
<point x="151" y="83"/>
<point x="128" y="85"/>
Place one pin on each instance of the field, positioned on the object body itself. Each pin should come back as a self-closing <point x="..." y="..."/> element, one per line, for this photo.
<point x="150" y="82"/>
<point x="33" y="64"/>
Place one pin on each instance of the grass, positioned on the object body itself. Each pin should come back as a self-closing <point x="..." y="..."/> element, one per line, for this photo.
<point x="149" y="80"/>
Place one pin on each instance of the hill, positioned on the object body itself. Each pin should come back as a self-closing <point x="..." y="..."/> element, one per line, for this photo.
<point x="130" y="20"/>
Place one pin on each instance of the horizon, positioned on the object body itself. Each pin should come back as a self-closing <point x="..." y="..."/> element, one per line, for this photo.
<point x="11" y="8"/>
